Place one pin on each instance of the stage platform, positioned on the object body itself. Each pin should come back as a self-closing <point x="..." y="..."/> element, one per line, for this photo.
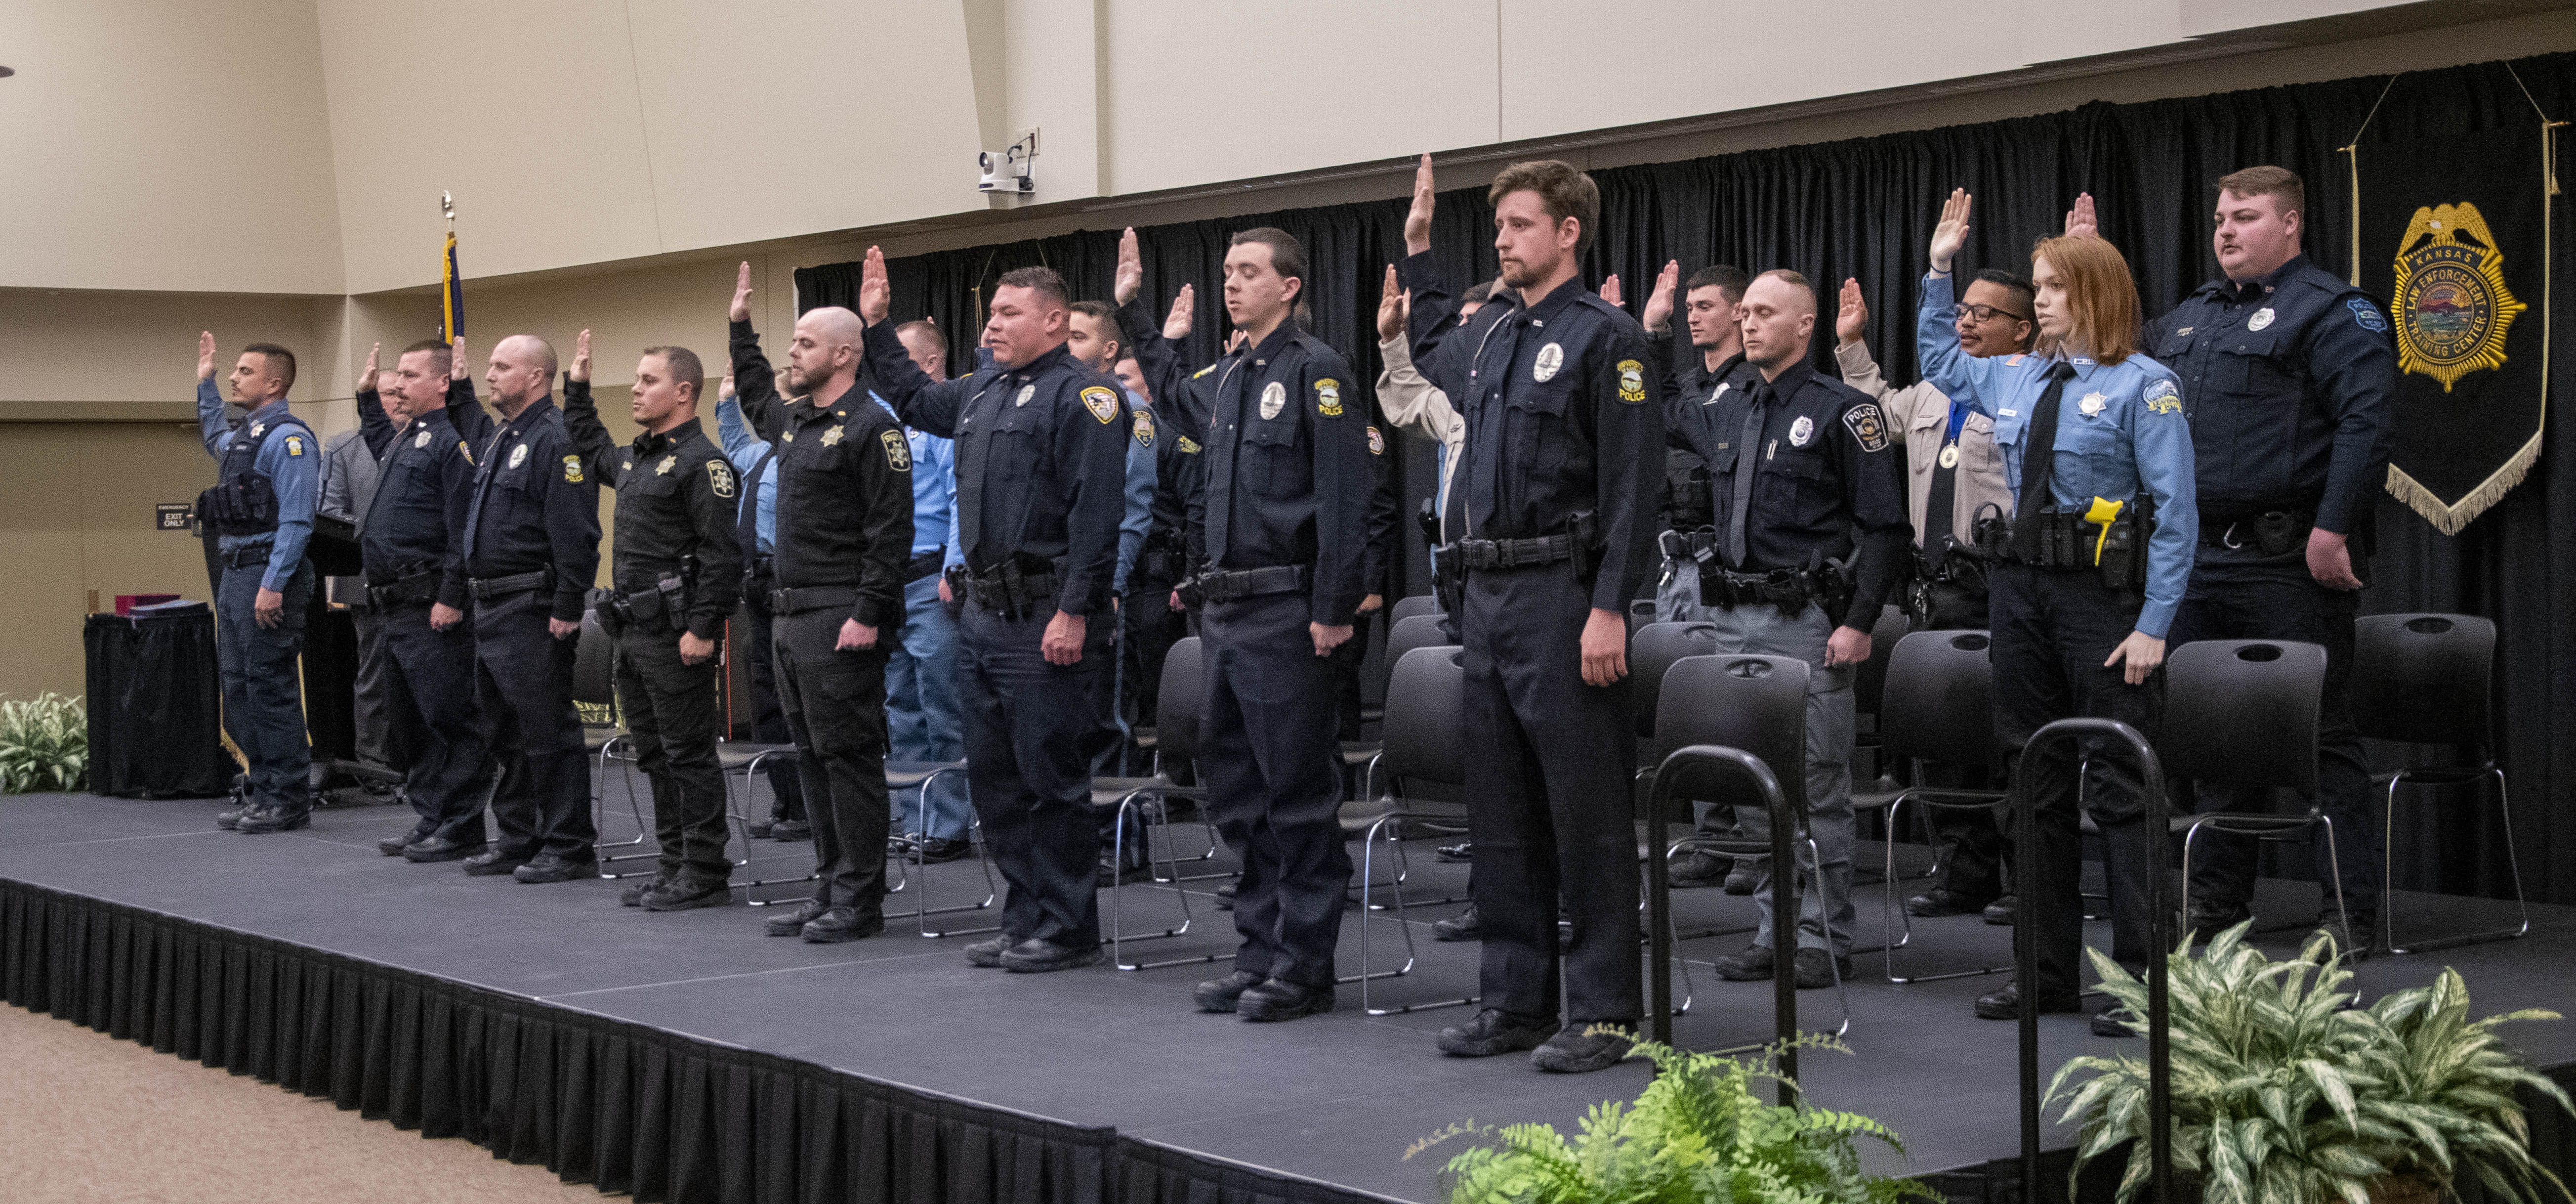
<point x="688" y="1057"/>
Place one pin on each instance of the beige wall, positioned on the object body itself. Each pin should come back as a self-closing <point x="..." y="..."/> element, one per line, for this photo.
<point x="166" y="144"/>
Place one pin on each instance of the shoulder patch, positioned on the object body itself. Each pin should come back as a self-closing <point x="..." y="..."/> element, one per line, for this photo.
<point x="1102" y="403"/>
<point x="294" y="445"/>
<point x="2162" y="397"/>
<point x="1144" y="428"/>
<point x="1867" y="425"/>
<point x="1202" y="372"/>
<point x="465" y="451"/>
<point x="1328" y="397"/>
<point x="572" y="470"/>
<point x="2366" y="315"/>
<point x="898" y="451"/>
<point x="1632" y="382"/>
<point x="1377" y="442"/>
<point x="1188" y="446"/>
<point x="720" y="476"/>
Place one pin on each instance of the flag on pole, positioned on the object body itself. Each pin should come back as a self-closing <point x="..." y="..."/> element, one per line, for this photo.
<point x="451" y="295"/>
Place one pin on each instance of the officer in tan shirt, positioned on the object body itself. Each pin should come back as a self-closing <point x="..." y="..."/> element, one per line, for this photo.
<point x="1954" y="475"/>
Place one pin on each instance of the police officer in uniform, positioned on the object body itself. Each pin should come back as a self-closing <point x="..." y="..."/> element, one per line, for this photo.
<point x="844" y="536"/>
<point x="2286" y="375"/>
<point x="1808" y="504"/>
<point x="261" y="508"/>
<point x="1283" y="522"/>
<point x="2091" y="571"/>
<point x="673" y="581"/>
<point x="1955" y="473"/>
<point x="1041" y="461"/>
<point x="412" y="543"/>
<point x="1553" y="532"/>
<point x="531" y="550"/>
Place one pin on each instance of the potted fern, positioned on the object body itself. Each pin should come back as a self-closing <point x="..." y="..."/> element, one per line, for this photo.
<point x="1697" y="1133"/>
<point x="2284" y="1092"/>
<point x="44" y="744"/>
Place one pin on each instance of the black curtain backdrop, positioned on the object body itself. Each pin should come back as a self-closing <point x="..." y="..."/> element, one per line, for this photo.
<point x="1864" y="208"/>
<point x="624" y="1107"/>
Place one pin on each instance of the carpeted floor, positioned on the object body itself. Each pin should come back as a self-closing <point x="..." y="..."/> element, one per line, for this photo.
<point x="88" y="1119"/>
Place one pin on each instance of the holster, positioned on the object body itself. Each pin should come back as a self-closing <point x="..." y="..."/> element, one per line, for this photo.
<point x="1585" y="528"/>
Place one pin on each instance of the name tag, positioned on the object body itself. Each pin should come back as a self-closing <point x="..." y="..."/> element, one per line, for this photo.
<point x="2007" y="413"/>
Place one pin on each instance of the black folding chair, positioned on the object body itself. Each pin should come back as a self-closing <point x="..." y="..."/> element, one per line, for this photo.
<point x="2425" y="679"/>
<point x="1935" y="707"/>
<point x="2243" y="713"/>
<point x="1426" y="703"/>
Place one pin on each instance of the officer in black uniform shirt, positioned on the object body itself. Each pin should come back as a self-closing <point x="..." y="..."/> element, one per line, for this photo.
<point x="672" y="586"/>
<point x="1808" y="499"/>
<point x="1554" y="535"/>
<point x="531" y="550"/>
<point x="413" y="547"/>
<point x="1283" y="522"/>
<point x="844" y="537"/>
<point x="1041" y="473"/>
<point x="2286" y="375"/>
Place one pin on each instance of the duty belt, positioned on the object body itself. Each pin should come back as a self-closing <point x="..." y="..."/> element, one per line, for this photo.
<point x="1486" y="555"/>
<point x="784" y="602"/>
<point x="923" y="565"/>
<point x="486" y="589"/>
<point x="1010" y="592"/>
<point x="1688" y="545"/>
<point x="405" y="590"/>
<point x="1255" y="583"/>
<point x="248" y="554"/>
<point x="2273" y="532"/>
<point x="1789" y="589"/>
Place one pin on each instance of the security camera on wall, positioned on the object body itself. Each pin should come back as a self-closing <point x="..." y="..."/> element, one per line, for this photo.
<point x="1007" y="170"/>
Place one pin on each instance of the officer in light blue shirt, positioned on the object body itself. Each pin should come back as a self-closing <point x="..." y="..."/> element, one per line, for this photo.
<point x="923" y="722"/>
<point x="261" y="508"/>
<point x="2089" y="574"/>
<point x="756" y="534"/>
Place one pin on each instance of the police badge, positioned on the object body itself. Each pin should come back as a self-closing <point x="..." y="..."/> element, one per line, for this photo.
<point x="422" y="439"/>
<point x="1550" y="358"/>
<point x="518" y="455"/>
<point x="2451" y="303"/>
<point x="2092" y="404"/>
<point x="1801" y="431"/>
<point x="662" y="469"/>
<point x="832" y="435"/>
<point x="1274" y="398"/>
<point x="1026" y="392"/>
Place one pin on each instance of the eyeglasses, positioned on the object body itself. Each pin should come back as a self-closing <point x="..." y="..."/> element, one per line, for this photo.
<point x="1988" y="313"/>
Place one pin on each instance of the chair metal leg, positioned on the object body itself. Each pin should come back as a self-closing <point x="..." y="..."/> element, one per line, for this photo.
<point x="1679" y="846"/>
<point x="918" y="863"/>
<point x="749" y="772"/>
<point x="1368" y="855"/>
<point x="2513" y="864"/>
<point x="2334" y="867"/>
<point x="1118" y="937"/>
<point x="1897" y="916"/>
<point x="634" y="807"/>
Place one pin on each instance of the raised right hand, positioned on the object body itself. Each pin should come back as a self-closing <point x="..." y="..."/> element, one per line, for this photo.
<point x="1417" y="220"/>
<point x="1131" y="269"/>
<point x="1659" y="303"/>
<point x="1952" y="233"/>
<point x="875" y="295"/>
<point x="456" y="369"/>
<point x="2080" y="220"/>
<point x="1853" y="315"/>
<point x="724" y="388"/>
<point x="1177" y="326"/>
<point x="1390" y="308"/>
<point x="206" y="355"/>
<point x="741" y="311"/>
<point x="367" y="375"/>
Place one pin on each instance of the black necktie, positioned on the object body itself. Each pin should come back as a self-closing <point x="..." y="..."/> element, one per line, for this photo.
<point x="1941" y="502"/>
<point x="2038" y="459"/>
<point x="1747" y="459"/>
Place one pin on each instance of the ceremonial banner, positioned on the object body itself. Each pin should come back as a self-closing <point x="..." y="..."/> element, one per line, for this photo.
<point x="2454" y="234"/>
<point x="451" y="295"/>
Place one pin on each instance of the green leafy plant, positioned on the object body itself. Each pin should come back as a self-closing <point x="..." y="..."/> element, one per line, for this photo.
<point x="2286" y="1093"/>
<point x="1697" y="1133"/>
<point x="44" y="744"/>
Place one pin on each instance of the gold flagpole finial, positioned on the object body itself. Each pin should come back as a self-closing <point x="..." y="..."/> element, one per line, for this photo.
<point x="447" y="205"/>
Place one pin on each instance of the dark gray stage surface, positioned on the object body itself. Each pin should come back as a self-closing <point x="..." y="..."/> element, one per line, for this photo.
<point x="1336" y="1098"/>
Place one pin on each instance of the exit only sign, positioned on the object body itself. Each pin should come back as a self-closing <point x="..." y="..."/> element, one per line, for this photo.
<point x="174" y="516"/>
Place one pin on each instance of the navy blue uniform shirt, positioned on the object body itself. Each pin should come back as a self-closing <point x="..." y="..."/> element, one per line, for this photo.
<point x="1041" y="461"/>
<point x="535" y="507"/>
<point x="1563" y="415"/>
<point x="424" y="487"/>
<point x="2287" y="381"/>
<point x="1288" y="469"/>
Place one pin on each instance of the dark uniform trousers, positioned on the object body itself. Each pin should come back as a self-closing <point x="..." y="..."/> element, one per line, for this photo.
<point x="523" y="687"/>
<point x="769" y="716"/>
<point x="1268" y="748"/>
<point x="374" y="694"/>
<point x="1148" y="627"/>
<point x="835" y="704"/>
<point x="1027" y="725"/>
<point x="263" y="693"/>
<point x="434" y="729"/>
<point x="670" y="709"/>
<point x="1548" y="771"/>
<point x="2239" y="594"/>
<point x="2052" y="631"/>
